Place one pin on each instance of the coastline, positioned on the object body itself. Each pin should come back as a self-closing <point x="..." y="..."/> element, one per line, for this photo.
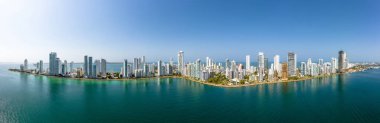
<point x="198" y="81"/>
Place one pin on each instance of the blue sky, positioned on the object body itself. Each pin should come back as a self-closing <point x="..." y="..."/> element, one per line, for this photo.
<point x="158" y="29"/>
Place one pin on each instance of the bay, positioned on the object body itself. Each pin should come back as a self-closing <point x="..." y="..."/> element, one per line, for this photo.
<point x="353" y="97"/>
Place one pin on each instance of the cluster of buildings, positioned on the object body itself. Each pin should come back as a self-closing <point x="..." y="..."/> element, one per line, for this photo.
<point x="97" y="68"/>
<point x="263" y="71"/>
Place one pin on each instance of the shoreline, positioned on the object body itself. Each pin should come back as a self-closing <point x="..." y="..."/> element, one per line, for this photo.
<point x="198" y="81"/>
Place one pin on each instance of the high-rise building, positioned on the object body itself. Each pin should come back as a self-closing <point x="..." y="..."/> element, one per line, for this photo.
<point x="292" y="64"/>
<point x="320" y="62"/>
<point x="207" y="62"/>
<point x="136" y="64"/>
<point x="57" y="66"/>
<point x="59" y="63"/>
<point x="276" y="64"/>
<point x="52" y="65"/>
<point x="228" y="64"/>
<point x="181" y="64"/>
<point x="334" y="65"/>
<point x="284" y="71"/>
<point x="303" y="68"/>
<point x="146" y="70"/>
<point x="233" y="69"/>
<point x="93" y="73"/>
<point x="125" y="68"/>
<point x="90" y="66"/>
<point x="41" y="67"/>
<point x="247" y="62"/>
<point x="98" y="67"/>
<point x="341" y="61"/>
<point x="171" y="62"/>
<point x="103" y="69"/>
<point x="62" y="69"/>
<point x="85" y="65"/>
<point x="72" y="67"/>
<point x="143" y="61"/>
<point x="308" y="66"/>
<point x="198" y="68"/>
<point x="26" y="64"/>
<point x="266" y="65"/>
<point x="159" y="68"/>
<point x="261" y="66"/>
<point x="65" y="68"/>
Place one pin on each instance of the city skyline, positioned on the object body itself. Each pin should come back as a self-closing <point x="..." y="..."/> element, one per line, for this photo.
<point x="230" y="73"/>
<point x="119" y="29"/>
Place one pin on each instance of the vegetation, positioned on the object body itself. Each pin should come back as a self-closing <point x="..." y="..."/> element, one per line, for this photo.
<point x="242" y="82"/>
<point x="218" y="78"/>
<point x="294" y="78"/>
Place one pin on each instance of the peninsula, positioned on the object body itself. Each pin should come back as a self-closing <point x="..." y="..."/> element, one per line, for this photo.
<point x="227" y="74"/>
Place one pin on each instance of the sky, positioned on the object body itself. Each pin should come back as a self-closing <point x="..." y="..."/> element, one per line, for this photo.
<point x="158" y="29"/>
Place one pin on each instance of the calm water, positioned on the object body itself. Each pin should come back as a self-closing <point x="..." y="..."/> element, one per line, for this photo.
<point x="27" y="98"/>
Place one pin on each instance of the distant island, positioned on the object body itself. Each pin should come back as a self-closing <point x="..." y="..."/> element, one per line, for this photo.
<point x="227" y="74"/>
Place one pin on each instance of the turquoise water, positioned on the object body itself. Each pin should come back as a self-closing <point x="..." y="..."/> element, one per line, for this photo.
<point x="351" y="97"/>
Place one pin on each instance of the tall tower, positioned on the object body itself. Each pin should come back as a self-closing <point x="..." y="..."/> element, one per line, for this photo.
<point x="308" y="66"/>
<point x="284" y="71"/>
<point x="292" y="64"/>
<point x="261" y="66"/>
<point x="180" y="61"/>
<point x="65" y="68"/>
<point x="159" y="69"/>
<point x="333" y="65"/>
<point x="89" y="74"/>
<point x="341" y="61"/>
<point x="247" y="62"/>
<point x="26" y="64"/>
<point x="72" y="66"/>
<point x="276" y="64"/>
<point x="228" y="64"/>
<point x="97" y="64"/>
<point x="85" y="65"/>
<point x="103" y="66"/>
<point x="125" y="68"/>
<point x="41" y="66"/>
<point x="52" y="58"/>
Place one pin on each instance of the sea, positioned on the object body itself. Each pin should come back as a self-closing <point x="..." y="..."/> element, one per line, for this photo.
<point x="346" y="98"/>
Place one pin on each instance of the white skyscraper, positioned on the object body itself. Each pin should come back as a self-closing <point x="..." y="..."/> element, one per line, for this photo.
<point x="181" y="64"/>
<point x="334" y="65"/>
<point x="247" y="62"/>
<point x="103" y="69"/>
<point x="303" y="68"/>
<point x="309" y="66"/>
<point x="142" y="62"/>
<point x="276" y="64"/>
<point x="261" y="66"/>
<point x="159" y="68"/>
